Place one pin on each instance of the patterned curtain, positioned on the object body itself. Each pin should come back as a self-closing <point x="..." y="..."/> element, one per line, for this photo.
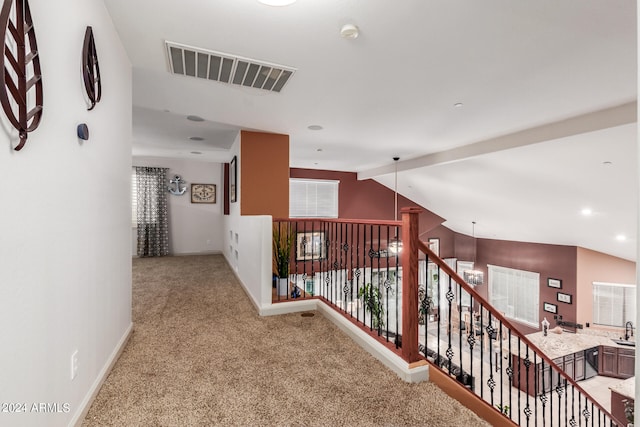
<point x="153" y="226"/>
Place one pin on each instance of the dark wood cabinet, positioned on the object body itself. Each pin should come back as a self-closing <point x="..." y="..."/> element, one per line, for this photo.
<point x="542" y="378"/>
<point x="579" y="366"/>
<point x="616" y="362"/>
<point x="569" y="365"/>
<point x="608" y="361"/>
<point x="612" y="362"/>
<point x="626" y="362"/>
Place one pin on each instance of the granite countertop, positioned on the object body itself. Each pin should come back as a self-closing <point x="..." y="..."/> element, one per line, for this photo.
<point x="625" y="388"/>
<point x="558" y="345"/>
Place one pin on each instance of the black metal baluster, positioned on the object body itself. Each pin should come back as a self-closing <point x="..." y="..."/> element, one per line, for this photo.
<point x="354" y="244"/>
<point x="459" y="309"/>
<point x="491" y="382"/>
<point x="566" y="403"/>
<point x="481" y="329"/>
<point x="386" y="287"/>
<point x="527" y="368"/>
<point x="520" y="361"/>
<point x="510" y="374"/>
<point x="449" y="296"/>
<point x="499" y="363"/>
<point x="536" y="381"/>
<point x="398" y="331"/>
<point x="551" y="372"/>
<point x="343" y="254"/>
<point x="471" y="340"/>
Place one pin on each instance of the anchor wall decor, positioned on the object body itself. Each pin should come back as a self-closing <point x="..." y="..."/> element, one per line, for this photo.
<point x="20" y="73"/>
<point x="176" y="190"/>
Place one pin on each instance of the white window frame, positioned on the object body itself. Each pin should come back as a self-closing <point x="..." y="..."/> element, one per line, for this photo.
<point x="613" y="310"/>
<point x="522" y="287"/>
<point x="313" y="198"/>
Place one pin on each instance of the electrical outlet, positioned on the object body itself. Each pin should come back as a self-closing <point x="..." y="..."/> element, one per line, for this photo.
<point x="74" y="364"/>
<point x="208" y="242"/>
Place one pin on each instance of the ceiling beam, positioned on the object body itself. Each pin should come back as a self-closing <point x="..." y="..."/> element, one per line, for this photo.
<point x="590" y="122"/>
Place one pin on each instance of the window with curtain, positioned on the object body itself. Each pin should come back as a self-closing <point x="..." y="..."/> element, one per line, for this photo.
<point x="613" y="304"/>
<point x="151" y="211"/>
<point x="313" y="198"/>
<point x="516" y="293"/>
<point x="134" y="198"/>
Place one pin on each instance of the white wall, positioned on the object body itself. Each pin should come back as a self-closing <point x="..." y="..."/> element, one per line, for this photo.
<point x="247" y="246"/>
<point x="194" y="228"/>
<point x="65" y="276"/>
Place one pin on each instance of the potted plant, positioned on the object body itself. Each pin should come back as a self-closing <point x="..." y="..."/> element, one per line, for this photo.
<point x="372" y="301"/>
<point x="282" y="244"/>
<point x="629" y="409"/>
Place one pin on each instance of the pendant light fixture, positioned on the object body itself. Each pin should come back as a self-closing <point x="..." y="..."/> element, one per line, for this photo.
<point x="395" y="245"/>
<point x="474" y="277"/>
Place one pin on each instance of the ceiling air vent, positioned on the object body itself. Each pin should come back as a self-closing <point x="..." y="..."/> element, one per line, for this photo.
<point x="226" y="68"/>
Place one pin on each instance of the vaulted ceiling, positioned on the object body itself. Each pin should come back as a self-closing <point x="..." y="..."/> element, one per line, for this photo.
<point x="516" y="115"/>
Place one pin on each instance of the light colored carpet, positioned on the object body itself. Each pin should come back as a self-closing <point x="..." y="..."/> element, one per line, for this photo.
<point x="200" y="355"/>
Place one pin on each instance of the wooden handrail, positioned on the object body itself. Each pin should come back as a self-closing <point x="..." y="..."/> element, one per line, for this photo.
<point x="343" y="221"/>
<point x="497" y="315"/>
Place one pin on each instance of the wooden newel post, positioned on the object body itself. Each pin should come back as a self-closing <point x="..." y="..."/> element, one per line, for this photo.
<point x="409" y="258"/>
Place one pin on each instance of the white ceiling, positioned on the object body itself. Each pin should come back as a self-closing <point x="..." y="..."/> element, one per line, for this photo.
<point x="558" y="79"/>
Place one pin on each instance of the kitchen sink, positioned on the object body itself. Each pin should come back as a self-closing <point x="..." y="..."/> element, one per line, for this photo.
<point x="623" y="342"/>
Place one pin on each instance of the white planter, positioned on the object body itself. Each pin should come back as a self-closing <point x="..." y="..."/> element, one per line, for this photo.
<point x="283" y="286"/>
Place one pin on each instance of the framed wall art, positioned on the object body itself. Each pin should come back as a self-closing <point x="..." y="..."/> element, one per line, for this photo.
<point x="550" y="308"/>
<point x="554" y="283"/>
<point x="203" y="193"/>
<point x="310" y="246"/>
<point x="566" y="298"/>
<point x="233" y="180"/>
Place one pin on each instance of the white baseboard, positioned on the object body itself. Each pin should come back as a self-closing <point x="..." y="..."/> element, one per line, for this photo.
<point x="217" y="252"/>
<point x="289" y="307"/>
<point x="85" y="405"/>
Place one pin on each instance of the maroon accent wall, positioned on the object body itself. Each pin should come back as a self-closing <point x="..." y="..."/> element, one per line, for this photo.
<point x="551" y="261"/>
<point x="367" y="199"/>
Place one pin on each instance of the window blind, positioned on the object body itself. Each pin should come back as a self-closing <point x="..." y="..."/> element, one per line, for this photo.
<point x="613" y="304"/>
<point x="313" y="198"/>
<point x="516" y="293"/>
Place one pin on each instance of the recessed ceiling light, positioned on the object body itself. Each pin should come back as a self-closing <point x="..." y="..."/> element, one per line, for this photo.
<point x="277" y="2"/>
<point x="196" y="138"/>
<point x="319" y="149"/>
<point x="196" y="152"/>
<point x="621" y="237"/>
<point x="314" y="127"/>
<point x="349" y="31"/>
<point x="607" y="163"/>
<point x="458" y="104"/>
<point x="195" y="118"/>
<point x="586" y="211"/>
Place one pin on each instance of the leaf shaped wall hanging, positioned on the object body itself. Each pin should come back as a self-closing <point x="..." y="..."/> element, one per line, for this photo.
<point x="21" y="77"/>
<point x="90" y="69"/>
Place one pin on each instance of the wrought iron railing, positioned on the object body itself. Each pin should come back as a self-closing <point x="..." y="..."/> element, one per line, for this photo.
<point x="353" y="266"/>
<point x="380" y="276"/>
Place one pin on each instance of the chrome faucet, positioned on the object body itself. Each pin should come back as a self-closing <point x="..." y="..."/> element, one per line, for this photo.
<point x="628" y="330"/>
